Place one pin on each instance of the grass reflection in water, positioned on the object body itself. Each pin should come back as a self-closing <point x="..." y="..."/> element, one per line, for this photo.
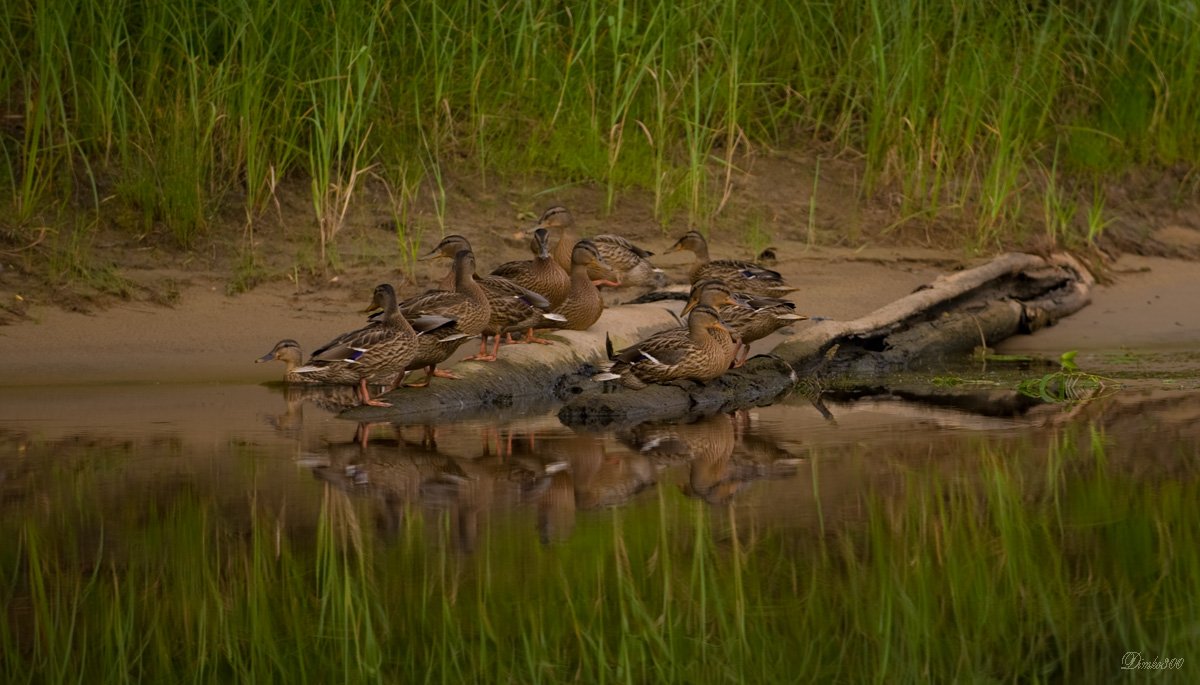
<point x="1005" y="572"/>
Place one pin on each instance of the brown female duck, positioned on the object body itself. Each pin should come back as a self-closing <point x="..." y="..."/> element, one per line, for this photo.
<point x="696" y="353"/>
<point x="381" y="348"/>
<point x="514" y="308"/>
<point x="543" y="275"/>
<point x="584" y="304"/>
<point x="716" y="294"/>
<point x="754" y="317"/>
<point x="742" y="277"/>
<point x="288" y="352"/>
<point x="625" y="264"/>
<point x="467" y="304"/>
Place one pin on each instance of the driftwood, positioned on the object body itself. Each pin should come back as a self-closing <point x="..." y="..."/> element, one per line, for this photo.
<point x="1014" y="293"/>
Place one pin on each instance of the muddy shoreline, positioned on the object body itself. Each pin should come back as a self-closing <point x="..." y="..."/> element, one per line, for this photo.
<point x="211" y="337"/>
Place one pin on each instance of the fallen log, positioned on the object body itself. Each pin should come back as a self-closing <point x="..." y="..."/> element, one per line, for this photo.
<point x="1011" y="294"/>
<point x="1014" y="293"/>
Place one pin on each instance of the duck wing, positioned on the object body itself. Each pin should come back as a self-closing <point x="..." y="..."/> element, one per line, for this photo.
<point x="625" y="243"/>
<point x="665" y="347"/>
<point x="350" y="346"/>
<point x="434" y="302"/>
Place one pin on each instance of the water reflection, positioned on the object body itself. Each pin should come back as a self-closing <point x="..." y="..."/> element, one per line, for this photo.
<point x="794" y="464"/>
<point x="723" y="454"/>
<point x="1045" y="539"/>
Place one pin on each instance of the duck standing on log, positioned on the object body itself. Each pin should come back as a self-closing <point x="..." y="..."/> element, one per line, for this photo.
<point x="622" y="263"/>
<point x="696" y="353"/>
<point x="513" y="307"/>
<point x="741" y="276"/>
<point x="467" y="304"/>
<point x="583" y="305"/>
<point x="754" y="317"/>
<point x="383" y="347"/>
<point x="542" y="274"/>
<point x="717" y="295"/>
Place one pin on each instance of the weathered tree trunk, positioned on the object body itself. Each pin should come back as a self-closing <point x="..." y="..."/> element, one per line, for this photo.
<point x="1014" y="293"/>
<point x="1011" y="294"/>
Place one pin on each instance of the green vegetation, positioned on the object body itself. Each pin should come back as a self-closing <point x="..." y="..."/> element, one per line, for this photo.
<point x="1068" y="384"/>
<point x="1029" y="564"/>
<point x="961" y="108"/>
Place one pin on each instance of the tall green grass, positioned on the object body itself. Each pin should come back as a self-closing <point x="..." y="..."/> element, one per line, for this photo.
<point x="183" y="108"/>
<point x="1027" y="565"/>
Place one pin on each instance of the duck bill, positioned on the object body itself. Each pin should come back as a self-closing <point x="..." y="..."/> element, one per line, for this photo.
<point x="374" y="306"/>
<point x="268" y="357"/>
<point x="544" y="252"/>
<point x="738" y="302"/>
<point x="436" y="254"/>
<point x="721" y="325"/>
<point x="674" y="248"/>
<point x="690" y="306"/>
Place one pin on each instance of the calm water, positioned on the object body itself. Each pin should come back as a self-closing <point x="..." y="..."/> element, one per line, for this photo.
<point x="827" y="486"/>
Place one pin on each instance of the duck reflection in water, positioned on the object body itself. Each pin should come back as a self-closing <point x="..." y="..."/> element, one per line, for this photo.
<point x="399" y="473"/>
<point x="332" y="399"/>
<point x="603" y="479"/>
<point x="722" y="460"/>
<point x="396" y="472"/>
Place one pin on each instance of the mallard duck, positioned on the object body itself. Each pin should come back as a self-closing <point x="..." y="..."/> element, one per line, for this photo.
<point x="288" y="352"/>
<point x="583" y="305"/>
<point x="754" y="317"/>
<point x="742" y="277"/>
<point x="383" y="347"/>
<point x="624" y="264"/>
<point x="697" y="353"/>
<point x="716" y="294"/>
<point x="542" y="274"/>
<point x="514" y="308"/>
<point x="467" y="304"/>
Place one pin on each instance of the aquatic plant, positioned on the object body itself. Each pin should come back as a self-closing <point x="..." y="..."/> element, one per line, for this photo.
<point x="1068" y="384"/>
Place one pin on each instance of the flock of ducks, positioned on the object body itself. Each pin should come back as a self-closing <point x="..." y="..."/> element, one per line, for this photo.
<point x="732" y="303"/>
<point x="559" y="473"/>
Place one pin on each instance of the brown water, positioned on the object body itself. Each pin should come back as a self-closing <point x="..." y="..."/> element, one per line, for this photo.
<point x="812" y="460"/>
